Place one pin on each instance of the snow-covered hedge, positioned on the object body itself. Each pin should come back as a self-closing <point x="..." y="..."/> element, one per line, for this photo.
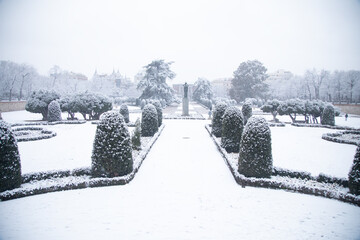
<point x="323" y="126"/>
<point x="52" y="181"/>
<point x="10" y="165"/>
<point x="255" y="157"/>
<point x="54" y="112"/>
<point x="332" y="188"/>
<point x="149" y="121"/>
<point x="39" y="101"/>
<point x="112" y="153"/>
<point x="136" y="136"/>
<point x="124" y="110"/>
<point x="232" y="128"/>
<point x="48" y="123"/>
<point x="354" y="174"/>
<point x="158" y="107"/>
<point x="218" y="118"/>
<point x="25" y="134"/>
<point x="328" y="115"/>
<point x="348" y="137"/>
<point x="246" y="111"/>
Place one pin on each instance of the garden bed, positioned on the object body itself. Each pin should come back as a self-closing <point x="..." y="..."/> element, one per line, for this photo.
<point x="347" y="137"/>
<point x="324" y="126"/>
<point x="52" y="181"/>
<point x="302" y="182"/>
<point x="25" y="134"/>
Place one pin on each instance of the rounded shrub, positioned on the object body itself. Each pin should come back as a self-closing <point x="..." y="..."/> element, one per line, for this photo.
<point x="10" y="165"/>
<point x="328" y="115"/>
<point x="354" y="174"/>
<point x="232" y="128"/>
<point x="54" y="111"/>
<point x="149" y="121"/>
<point x="216" y="124"/>
<point x="112" y="152"/>
<point x="124" y="111"/>
<point x="136" y="136"/>
<point x="158" y="107"/>
<point x="246" y="111"/>
<point x="255" y="157"/>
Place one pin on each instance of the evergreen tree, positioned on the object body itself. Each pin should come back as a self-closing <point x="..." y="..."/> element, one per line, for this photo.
<point x="10" y="165"/>
<point x="154" y="84"/>
<point x="232" y="127"/>
<point x="112" y="152"/>
<point x="149" y="121"/>
<point x="249" y="81"/>
<point x="202" y="90"/>
<point x="354" y="174"/>
<point x="255" y="157"/>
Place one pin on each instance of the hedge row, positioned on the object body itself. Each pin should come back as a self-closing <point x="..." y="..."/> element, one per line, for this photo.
<point x="48" y="123"/>
<point x="286" y="185"/>
<point x="77" y="178"/>
<point x="336" y="137"/>
<point x="22" y="136"/>
<point x="323" y="126"/>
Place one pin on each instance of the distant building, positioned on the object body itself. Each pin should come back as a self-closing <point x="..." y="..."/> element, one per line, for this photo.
<point x="179" y="90"/>
<point x="221" y="87"/>
<point x="78" y="76"/>
<point x="280" y="75"/>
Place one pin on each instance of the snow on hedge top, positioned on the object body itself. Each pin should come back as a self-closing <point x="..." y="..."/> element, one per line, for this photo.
<point x="112" y="119"/>
<point x="257" y="125"/>
<point x="54" y="111"/>
<point x="149" y="111"/>
<point x="5" y="131"/>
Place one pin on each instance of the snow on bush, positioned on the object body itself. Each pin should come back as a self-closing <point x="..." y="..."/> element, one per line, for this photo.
<point x="142" y="103"/>
<point x="124" y="110"/>
<point x="92" y="104"/>
<point x="255" y="157"/>
<point x="328" y="115"/>
<point x="149" y="121"/>
<point x="158" y="107"/>
<point x="10" y="165"/>
<point x="39" y="101"/>
<point x="354" y="174"/>
<point x="136" y="136"/>
<point x="218" y="119"/>
<point x="112" y="153"/>
<point x="232" y="128"/>
<point x="246" y="111"/>
<point x="54" y="111"/>
<point x="271" y="107"/>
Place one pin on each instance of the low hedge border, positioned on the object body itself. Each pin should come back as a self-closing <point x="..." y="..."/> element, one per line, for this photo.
<point x="48" y="123"/>
<point x="300" y="182"/>
<point x="324" y="126"/>
<point x="178" y="116"/>
<point x="25" y="137"/>
<point x="337" y="137"/>
<point x="272" y="124"/>
<point x="53" y="181"/>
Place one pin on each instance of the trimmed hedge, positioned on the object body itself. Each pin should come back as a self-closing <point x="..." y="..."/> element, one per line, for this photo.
<point x="149" y="121"/>
<point x="54" y="112"/>
<point x="232" y="128"/>
<point x="217" y="119"/>
<point x="158" y="107"/>
<point x="246" y="111"/>
<point x="328" y="115"/>
<point x="112" y="153"/>
<point x="10" y="165"/>
<point x="124" y="111"/>
<point x="354" y="174"/>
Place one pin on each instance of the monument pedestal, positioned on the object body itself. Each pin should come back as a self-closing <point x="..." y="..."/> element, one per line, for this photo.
<point x="185" y="106"/>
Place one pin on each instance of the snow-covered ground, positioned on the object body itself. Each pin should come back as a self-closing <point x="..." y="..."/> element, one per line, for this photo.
<point x="183" y="190"/>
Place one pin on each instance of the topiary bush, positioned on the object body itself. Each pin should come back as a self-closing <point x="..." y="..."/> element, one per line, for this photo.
<point x="328" y="115"/>
<point x="149" y="121"/>
<point x="246" y="111"/>
<point x="232" y="128"/>
<point x="216" y="124"/>
<point x="354" y="174"/>
<point x="10" y="165"/>
<point x="136" y="136"/>
<point x="38" y="102"/>
<point x="158" y="107"/>
<point x="112" y="153"/>
<point x="142" y="103"/>
<point x="125" y="112"/>
<point x="255" y="157"/>
<point x="54" y="111"/>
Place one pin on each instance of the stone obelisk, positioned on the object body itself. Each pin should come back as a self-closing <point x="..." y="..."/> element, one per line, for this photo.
<point x="185" y="101"/>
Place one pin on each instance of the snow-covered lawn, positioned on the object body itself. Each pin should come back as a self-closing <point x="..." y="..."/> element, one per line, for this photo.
<point x="183" y="190"/>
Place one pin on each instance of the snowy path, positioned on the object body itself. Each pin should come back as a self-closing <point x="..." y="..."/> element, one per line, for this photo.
<point x="182" y="191"/>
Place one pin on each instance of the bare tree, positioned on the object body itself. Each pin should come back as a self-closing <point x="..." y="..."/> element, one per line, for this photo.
<point x="353" y="78"/>
<point x="316" y="79"/>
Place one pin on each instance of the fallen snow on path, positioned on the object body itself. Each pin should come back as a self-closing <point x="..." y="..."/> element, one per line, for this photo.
<point x="182" y="191"/>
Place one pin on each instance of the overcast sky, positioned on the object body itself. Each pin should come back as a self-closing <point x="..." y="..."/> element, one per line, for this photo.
<point x="204" y="38"/>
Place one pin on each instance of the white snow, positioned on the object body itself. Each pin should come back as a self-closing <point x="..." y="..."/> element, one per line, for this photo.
<point x="183" y="190"/>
